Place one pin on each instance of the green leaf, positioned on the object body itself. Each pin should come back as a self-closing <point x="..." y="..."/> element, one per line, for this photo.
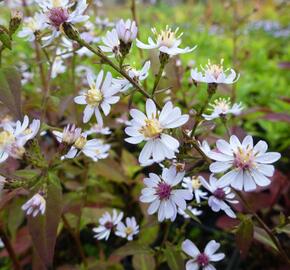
<point x="261" y="236"/>
<point x="144" y="262"/>
<point x="10" y="90"/>
<point x="109" y="169"/>
<point x="132" y="248"/>
<point x="244" y="235"/>
<point x="43" y="229"/>
<point x="173" y="257"/>
<point x="195" y="218"/>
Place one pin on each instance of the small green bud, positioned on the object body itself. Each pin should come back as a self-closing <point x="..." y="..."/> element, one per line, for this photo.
<point x="15" y="21"/>
<point x="5" y="38"/>
<point x="70" y="31"/>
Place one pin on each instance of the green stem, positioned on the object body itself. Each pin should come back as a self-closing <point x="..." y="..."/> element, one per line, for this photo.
<point x="10" y="250"/>
<point x="158" y="77"/>
<point x="198" y="118"/>
<point x="224" y="121"/>
<point x="265" y="227"/>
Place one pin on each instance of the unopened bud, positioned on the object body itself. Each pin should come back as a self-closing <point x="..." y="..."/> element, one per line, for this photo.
<point x="5" y="39"/>
<point x="70" y="31"/>
<point x="15" y="21"/>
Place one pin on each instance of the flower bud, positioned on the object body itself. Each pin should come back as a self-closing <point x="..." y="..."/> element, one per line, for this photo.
<point x="70" y="31"/>
<point x="15" y="21"/>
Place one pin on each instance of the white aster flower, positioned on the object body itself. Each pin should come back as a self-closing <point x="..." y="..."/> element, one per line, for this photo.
<point x="111" y="43"/>
<point x="151" y="127"/>
<point x="104" y="23"/>
<point x="166" y="41"/>
<point x="94" y="149"/>
<point x="194" y="185"/>
<point x="162" y="195"/>
<point x="202" y="260"/>
<point x="194" y="211"/>
<point x="249" y="165"/>
<point x="57" y="13"/>
<point x="136" y="75"/>
<point x="97" y="129"/>
<point x="69" y="135"/>
<point x="221" y="107"/>
<point x="35" y="205"/>
<point x="215" y="74"/>
<point x="15" y="136"/>
<point x="32" y="26"/>
<point x="101" y="94"/>
<point x="127" y="31"/>
<point x="127" y="230"/>
<point x="220" y="196"/>
<point x="107" y="222"/>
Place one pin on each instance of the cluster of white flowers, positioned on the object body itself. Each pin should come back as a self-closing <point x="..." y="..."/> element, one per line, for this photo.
<point x="112" y="222"/>
<point x="14" y="136"/>
<point x="240" y="165"/>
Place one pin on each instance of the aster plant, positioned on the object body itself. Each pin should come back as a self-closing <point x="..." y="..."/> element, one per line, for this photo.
<point x="123" y="168"/>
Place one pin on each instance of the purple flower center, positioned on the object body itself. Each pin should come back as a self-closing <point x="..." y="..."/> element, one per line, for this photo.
<point x="109" y="225"/>
<point x="163" y="191"/>
<point x="244" y="159"/>
<point x="219" y="193"/>
<point x="202" y="259"/>
<point x="57" y="16"/>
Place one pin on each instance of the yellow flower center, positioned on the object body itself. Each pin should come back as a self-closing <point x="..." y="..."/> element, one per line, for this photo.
<point x="215" y="70"/>
<point x="80" y="142"/>
<point x="166" y="37"/>
<point x="195" y="183"/>
<point x="223" y="104"/>
<point x="94" y="97"/>
<point x="244" y="159"/>
<point x="128" y="230"/>
<point x="6" y="138"/>
<point x="152" y="128"/>
<point x="56" y="3"/>
<point x="32" y="24"/>
<point x="27" y="131"/>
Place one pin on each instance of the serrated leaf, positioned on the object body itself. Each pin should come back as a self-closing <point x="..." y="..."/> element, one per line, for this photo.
<point x="173" y="257"/>
<point x="144" y="262"/>
<point x="244" y="235"/>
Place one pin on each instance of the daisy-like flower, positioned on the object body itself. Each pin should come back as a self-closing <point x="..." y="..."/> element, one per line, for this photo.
<point x="220" y="196"/>
<point x="15" y="136"/>
<point x="127" y="230"/>
<point x="215" y="74"/>
<point x="111" y="43"/>
<point x="94" y="149"/>
<point x="101" y="94"/>
<point x="97" y="129"/>
<point x="69" y="135"/>
<point x="221" y="107"/>
<point x="194" y="211"/>
<point x="136" y="75"/>
<point x="36" y="205"/>
<point x="127" y="31"/>
<point x="202" y="260"/>
<point x="249" y="165"/>
<point x="166" y="41"/>
<point x="103" y="23"/>
<point x="58" y="12"/>
<point x="151" y="127"/>
<point x="32" y="27"/>
<point x="107" y="223"/>
<point x="193" y="184"/>
<point x="162" y="195"/>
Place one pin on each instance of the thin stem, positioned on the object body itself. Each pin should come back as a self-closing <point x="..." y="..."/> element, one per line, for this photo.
<point x="265" y="227"/>
<point x="224" y="121"/>
<point x="10" y="250"/>
<point x="135" y="18"/>
<point x="158" y="77"/>
<point x="211" y="91"/>
<point x="76" y="239"/>
<point x="106" y="60"/>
